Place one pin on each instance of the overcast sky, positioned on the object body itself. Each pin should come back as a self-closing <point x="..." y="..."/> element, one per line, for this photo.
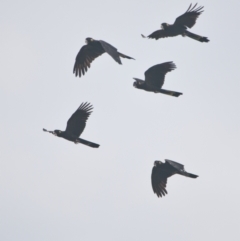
<point x="54" y="190"/>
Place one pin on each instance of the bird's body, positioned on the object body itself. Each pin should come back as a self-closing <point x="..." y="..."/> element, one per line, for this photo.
<point x="76" y="125"/>
<point x="171" y="30"/>
<point x="154" y="79"/>
<point x="92" y="50"/>
<point x="66" y="135"/>
<point x="161" y="171"/>
<point x="142" y="85"/>
<point x="179" y="27"/>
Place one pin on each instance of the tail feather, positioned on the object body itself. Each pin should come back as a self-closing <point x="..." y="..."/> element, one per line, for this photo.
<point x="186" y="174"/>
<point x="170" y="92"/>
<point x="125" y="56"/>
<point x="88" y="143"/>
<point x="192" y="175"/>
<point x="196" y="37"/>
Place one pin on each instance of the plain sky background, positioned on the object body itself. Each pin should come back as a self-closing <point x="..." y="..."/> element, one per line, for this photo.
<point x="54" y="190"/>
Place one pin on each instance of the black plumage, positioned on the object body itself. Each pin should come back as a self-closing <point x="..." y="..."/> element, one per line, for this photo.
<point x="76" y="125"/>
<point x="162" y="171"/>
<point x="179" y="27"/>
<point x="154" y="79"/>
<point x="92" y="50"/>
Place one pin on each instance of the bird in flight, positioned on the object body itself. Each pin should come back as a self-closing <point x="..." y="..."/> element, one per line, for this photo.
<point x="161" y="171"/>
<point x="92" y="50"/>
<point x="154" y="79"/>
<point x="179" y="27"/>
<point x="76" y="125"/>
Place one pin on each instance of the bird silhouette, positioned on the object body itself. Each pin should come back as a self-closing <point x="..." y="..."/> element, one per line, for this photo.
<point x="162" y="171"/>
<point x="76" y="125"/>
<point x="179" y="27"/>
<point x="154" y="79"/>
<point x="92" y="50"/>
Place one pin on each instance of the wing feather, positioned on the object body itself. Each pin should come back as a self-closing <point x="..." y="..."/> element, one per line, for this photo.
<point x="159" y="181"/>
<point x="176" y="165"/>
<point x="84" y="58"/>
<point x="158" y="34"/>
<point x="189" y="18"/>
<point x="111" y="50"/>
<point x="77" y="121"/>
<point x="156" y="74"/>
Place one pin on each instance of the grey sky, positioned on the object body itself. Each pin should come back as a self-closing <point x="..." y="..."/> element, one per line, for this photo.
<point x="52" y="189"/>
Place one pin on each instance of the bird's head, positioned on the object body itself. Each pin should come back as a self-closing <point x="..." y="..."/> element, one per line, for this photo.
<point x="164" y="25"/>
<point x="89" y="40"/>
<point x="57" y="132"/>
<point x="157" y="163"/>
<point x="138" y="83"/>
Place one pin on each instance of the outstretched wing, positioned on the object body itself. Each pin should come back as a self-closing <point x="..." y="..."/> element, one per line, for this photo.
<point x="158" y="34"/>
<point x="77" y="121"/>
<point x="189" y="18"/>
<point x="112" y="51"/>
<point x="84" y="57"/>
<point x="156" y="74"/>
<point x="159" y="181"/>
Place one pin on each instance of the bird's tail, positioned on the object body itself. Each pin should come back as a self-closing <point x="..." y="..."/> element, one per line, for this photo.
<point x="88" y="143"/>
<point x="196" y="37"/>
<point x="125" y="56"/>
<point x="170" y="92"/>
<point x="186" y="174"/>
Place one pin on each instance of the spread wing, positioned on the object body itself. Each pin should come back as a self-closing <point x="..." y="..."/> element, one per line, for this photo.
<point x="77" y="121"/>
<point x="156" y="74"/>
<point x="112" y="51"/>
<point x="158" y="34"/>
<point x="159" y="181"/>
<point x="84" y="57"/>
<point x="189" y="18"/>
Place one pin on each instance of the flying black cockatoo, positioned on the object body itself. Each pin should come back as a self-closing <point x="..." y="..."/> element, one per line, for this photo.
<point x="92" y="50"/>
<point x="76" y="125"/>
<point x="161" y="171"/>
<point x="179" y="27"/>
<point x="154" y="79"/>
